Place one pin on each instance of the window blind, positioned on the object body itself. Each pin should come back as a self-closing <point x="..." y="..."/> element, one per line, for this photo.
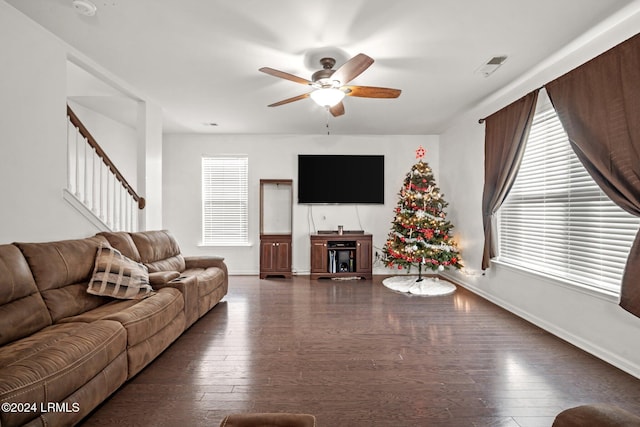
<point x="557" y="221"/>
<point x="225" y="200"/>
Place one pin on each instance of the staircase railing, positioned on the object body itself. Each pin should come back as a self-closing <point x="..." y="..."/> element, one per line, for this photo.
<point x="96" y="182"/>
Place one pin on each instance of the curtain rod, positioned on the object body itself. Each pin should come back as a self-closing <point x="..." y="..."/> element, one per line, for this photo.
<point x="481" y="121"/>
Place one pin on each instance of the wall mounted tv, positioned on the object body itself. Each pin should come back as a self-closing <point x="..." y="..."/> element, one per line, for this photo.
<point x="349" y="179"/>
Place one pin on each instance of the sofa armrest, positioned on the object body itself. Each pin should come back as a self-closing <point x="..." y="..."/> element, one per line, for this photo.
<point x="162" y="278"/>
<point x="187" y="285"/>
<point x="205" y="262"/>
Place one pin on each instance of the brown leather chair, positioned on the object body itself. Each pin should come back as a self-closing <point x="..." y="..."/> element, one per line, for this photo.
<point x="596" y="415"/>
<point x="269" y="420"/>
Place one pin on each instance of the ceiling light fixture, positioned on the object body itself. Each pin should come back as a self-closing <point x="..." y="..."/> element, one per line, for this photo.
<point x="84" y="7"/>
<point x="327" y="97"/>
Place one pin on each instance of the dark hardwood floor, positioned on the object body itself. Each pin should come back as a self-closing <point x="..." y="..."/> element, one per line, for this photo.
<point x="354" y="353"/>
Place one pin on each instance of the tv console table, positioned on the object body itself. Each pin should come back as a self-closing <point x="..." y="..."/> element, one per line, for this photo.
<point x="344" y="255"/>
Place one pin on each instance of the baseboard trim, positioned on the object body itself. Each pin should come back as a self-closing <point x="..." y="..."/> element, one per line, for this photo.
<point x="586" y="345"/>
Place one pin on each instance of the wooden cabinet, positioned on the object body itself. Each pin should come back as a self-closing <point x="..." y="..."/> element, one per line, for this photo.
<point x="341" y="255"/>
<point x="275" y="256"/>
<point x="276" y="226"/>
<point x="319" y="260"/>
<point x="364" y="256"/>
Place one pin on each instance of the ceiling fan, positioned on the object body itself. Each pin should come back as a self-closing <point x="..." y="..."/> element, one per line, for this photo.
<point x="330" y="86"/>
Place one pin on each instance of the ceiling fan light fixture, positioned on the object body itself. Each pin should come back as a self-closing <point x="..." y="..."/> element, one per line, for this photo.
<point x="327" y="97"/>
<point x="84" y="7"/>
<point x="329" y="85"/>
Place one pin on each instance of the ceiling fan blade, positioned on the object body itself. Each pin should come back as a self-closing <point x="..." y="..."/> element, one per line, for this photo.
<point x="337" y="110"/>
<point x="352" y="68"/>
<point x="371" y="91"/>
<point x="283" y="75"/>
<point x="288" y="100"/>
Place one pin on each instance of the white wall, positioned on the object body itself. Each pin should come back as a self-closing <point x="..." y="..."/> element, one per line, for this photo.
<point x="33" y="164"/>
<point x="272" y="156"/>
<point x="33" y="135"/>
<point x="150" y="164"/>
<point x="591" y="321"/>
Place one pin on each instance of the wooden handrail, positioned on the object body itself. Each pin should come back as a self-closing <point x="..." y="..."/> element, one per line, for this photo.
<point x="106" y="160"/>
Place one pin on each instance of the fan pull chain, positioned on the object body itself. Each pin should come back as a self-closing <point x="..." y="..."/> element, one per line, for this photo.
<point x="328" y="130"/>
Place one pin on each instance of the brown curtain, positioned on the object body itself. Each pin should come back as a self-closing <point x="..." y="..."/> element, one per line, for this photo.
<point x="598" y="104"/>
<point x="506" y="133"/>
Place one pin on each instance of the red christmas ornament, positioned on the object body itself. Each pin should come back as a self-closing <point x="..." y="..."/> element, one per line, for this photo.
<point x="420" y="152"/>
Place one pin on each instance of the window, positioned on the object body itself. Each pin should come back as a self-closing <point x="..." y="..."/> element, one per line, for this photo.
<point x="225" y="197"/>
<point x="557" y="221"/>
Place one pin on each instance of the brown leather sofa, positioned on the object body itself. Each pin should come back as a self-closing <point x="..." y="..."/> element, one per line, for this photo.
<point x="62" y="350"/>
<point x="203" y="281"/>
<point x="596" y="415"/>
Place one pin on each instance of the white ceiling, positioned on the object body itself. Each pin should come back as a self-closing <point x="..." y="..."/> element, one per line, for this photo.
<point x="199" y="59"/>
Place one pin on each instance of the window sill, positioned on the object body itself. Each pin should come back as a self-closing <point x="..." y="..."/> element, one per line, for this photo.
<point x="225" y="245"/>
<point x="603" y="294"/>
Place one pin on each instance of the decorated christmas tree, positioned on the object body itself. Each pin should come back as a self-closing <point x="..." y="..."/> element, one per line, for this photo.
<point x="420" y="235"/>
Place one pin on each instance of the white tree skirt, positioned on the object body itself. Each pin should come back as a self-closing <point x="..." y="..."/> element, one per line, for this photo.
<point x="427" y="286"/>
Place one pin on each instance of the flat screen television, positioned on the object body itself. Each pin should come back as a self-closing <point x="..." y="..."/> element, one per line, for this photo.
<point x="349" y="179"/>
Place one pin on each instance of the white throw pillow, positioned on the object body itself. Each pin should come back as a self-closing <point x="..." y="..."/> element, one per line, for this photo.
<point x="116" y="276"/>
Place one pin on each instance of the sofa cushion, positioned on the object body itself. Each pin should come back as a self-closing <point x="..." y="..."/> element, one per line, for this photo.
<point x="159" y="250"/>
<point x="141" y="318"/>
<point x="152" y="324"/>
<point x="61" y="271"/>
<point x="53" y="363"/>
<point x="87" y="397"/>
<point x="209" y="279"/>
<point x="117" y="276"/>
<point x="22" y="310"/>
<point x="148" y="317"/>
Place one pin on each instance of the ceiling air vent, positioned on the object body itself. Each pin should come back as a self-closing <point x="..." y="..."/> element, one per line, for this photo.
<point x="490" y="66"/>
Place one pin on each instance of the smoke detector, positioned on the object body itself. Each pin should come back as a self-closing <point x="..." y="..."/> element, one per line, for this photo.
<point x="491" y="65"/>
<point x="84" y="7"/>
